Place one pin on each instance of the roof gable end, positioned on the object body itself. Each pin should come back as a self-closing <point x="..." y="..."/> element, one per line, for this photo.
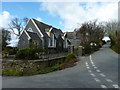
<point x="37" y="27"/>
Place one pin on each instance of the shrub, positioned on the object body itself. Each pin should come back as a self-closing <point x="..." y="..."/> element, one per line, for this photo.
<point x="87" y="49"/>
<point x="71" y="56"/>
<point x="27" y="54"/>
<point x="116" y="48"/>
<point x="103" y="42"/>
<point x="50" y="69"/>
<point x="38" y="50"/>
<point x="13" y="51"/>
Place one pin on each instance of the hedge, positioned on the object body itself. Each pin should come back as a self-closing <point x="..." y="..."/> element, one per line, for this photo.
<point x="28" y="53"/>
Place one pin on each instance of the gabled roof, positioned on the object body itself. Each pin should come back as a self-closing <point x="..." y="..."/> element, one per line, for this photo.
<point x="60" y="37"/>
<point x="64" y="35"/>
<point x="33" y="36"/>
<point x="57" y="32"/>
<point x="44" y="28"/>
<point x="26" y="34"/>
<point x="49" y="33"/>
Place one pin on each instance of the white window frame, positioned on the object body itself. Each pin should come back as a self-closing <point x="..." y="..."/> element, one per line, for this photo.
<point x="53" y="43"/>
<point x="65" y="43"/>
<point x="52" y="36"/>
<point x="48" y="42"/>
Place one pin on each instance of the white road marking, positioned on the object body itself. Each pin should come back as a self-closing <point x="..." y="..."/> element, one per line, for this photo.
<point x="86" y="63"/>
<point x="95" y="67"/>
<point x="98" y="70"/>
<point x="88" y="67"/>
<point x="92" y="63"/>
<point x="115" y="86"/>
<point x="97" y="80"/>
<point x="89" y="71"/>
<point x="91" y="60"/>
<point x="92" y="74"/>
<point x="102" y="75"/>
<point x="108" y="80"/>
<point x="103" y="86"/>
<point x="90" y="57"/>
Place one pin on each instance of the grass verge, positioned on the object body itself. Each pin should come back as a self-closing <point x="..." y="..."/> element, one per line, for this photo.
<point x="12" y="73"/>
<point x="115" y="48"/>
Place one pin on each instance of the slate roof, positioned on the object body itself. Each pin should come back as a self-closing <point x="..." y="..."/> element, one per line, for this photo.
<point x="42" y="27"/>
<point x="34" y="36"/>
<point x="70" y="35"/>
<point x="45" y="28"/>
<point x="57" y="32"/>
<point x="73" y="35"/>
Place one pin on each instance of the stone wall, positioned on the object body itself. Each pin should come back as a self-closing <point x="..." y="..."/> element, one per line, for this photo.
<point x="76" y="50"/>
<point x="71" y="49"/>
<point x="30" y="65"/>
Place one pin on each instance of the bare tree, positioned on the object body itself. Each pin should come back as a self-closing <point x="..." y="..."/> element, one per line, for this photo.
<point x="6" y="36"/>
<point x="111" y="26"/>
<point x="25" y="19"/>
<point x="112" y="30"/>
<point x="17" y="24"/>
<point x="91" y="32"/>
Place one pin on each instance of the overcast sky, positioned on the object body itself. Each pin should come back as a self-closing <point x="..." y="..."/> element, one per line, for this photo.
<point x="64" y="15"/>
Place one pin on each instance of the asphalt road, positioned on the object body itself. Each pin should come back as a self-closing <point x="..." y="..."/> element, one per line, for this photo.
<point x="99" y="70"/>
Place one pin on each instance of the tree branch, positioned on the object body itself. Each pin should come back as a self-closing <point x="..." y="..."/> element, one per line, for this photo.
<point x="12" y="29"/>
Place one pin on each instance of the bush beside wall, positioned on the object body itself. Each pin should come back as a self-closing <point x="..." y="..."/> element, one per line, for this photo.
<point x="29" y="53"/>
<point x="71" y="56"/>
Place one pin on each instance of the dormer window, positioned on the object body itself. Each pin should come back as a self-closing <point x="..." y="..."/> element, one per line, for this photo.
<point x="30" y="30"/>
